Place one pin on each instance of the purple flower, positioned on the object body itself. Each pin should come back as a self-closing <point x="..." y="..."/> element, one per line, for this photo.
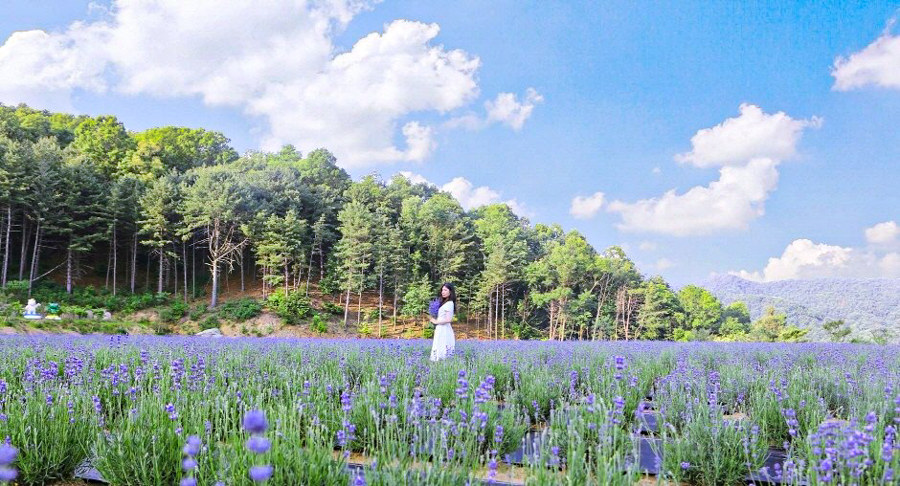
<point x="685" y="466"/>
<point x="255" y="422"/>
<point x="8" y="454"/>
<point x="188" y="482"/>
<point x="258" y="445"/>
<point x="192" y="448"/>
<point x="260" y="473"/>
<point x="7" y="474"/>
<point x="434" y="307"/>
<point x="189" y="464"/>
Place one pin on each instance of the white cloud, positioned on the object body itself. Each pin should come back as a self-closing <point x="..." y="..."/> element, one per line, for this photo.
<point x="468" y="195"/>
<point x="747" y="149"/>
<point x="415" y="178"/>
<point x="471" y="197"/>
<point x="586" y="207"/>
<point x="883" y="233"/>
<point x="505" y="109"/>
<point x="275" y="61"/>
<point x="656" y="171"/>
<point x="728" y="203"/>
<point x="647" y="246"/>
<point x="663" y="264"/>
<point x="752" y="134"/>
<point x="878" y="64"/>
<point x="804" y="259"/>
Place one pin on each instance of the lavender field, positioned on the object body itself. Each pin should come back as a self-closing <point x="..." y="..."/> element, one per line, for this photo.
<point x="167" y="410"/>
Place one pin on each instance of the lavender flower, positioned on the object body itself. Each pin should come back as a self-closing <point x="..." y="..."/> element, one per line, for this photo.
<point x="261" y="473"/>
<point x="258" y="445"/>
<point x="434" y="307"/>
<point x="255" y="422"/>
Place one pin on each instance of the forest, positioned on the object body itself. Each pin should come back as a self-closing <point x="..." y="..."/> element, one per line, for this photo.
<point x="173" y="211"/>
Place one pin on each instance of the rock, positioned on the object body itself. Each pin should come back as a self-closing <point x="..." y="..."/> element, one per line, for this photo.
<point x="107" y="316"/>
<point x="214" y="332"/>
<point x="90" y="314"/>
<point x="68" y="315"/>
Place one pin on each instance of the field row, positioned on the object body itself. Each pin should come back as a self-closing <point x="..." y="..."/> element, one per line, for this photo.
<point x="524" y="412"/>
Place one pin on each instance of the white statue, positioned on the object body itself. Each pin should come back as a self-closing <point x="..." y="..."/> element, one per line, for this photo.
<point x="31" y="310"/>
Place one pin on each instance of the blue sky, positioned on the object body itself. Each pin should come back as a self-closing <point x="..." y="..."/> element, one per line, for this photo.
<point x="536" y="102"/>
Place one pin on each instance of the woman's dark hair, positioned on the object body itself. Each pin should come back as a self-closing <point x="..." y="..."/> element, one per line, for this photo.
<point x="452" y="289"/>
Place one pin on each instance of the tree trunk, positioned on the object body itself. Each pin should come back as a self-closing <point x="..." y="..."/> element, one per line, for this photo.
<point x="147" y="276"/>
<point x="309" y="272"/>
<point x="24" y="249"/>
<point x="193" y="268"/>
<point x="69" y="269"/>
<point x="115" y="259"/>
<point x="347" y="302"/>
<point x="380" y="298"/>
<point x="175" y="267"/>
<point x="35" y="254"/>
<point x="215" y="285"/>
<point x="6" y="246"/>
<point x="162" y="262"/>
<point x="184" y="266"/>
<point x="396" y="291"/>
<point x="503" y="312"/>
<point x="134" y="261"/>
<point x="552" y="323"/>
<point x="242" y="270"/>
<point x="359" y="306"/>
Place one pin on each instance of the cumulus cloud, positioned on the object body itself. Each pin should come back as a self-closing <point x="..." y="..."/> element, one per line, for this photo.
<point x="883" y="233"/>
<point x="415" y="178"/>
<point x="647" y="246"/>
<point x="505" y="109"/>
<point x="470" y="196"/>
<point x="729" y="203"/>
<point x="276" y="62"/>
<point x="752" y="134"/>
<point x="586" y="207"/>
<point x="804" y="259"/>
<point x="747" y="149"/>
<point x="877" y="64"/>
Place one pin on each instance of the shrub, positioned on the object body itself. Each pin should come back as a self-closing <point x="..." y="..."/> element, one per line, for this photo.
<point x="209" y="323"/>
<point x="364" y="329"/>
<point x="292" y="307"/>
<point x="318" y="324"/>
<point x="332" y="308"/>
<point x="241" y="309"/>
<point x="197" y="312"/>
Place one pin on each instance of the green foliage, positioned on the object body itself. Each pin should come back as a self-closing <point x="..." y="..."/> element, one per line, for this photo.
<point x="293" y="306"/>
<point x="332" y="308"/>
<point x="837" y="330"/>
<point x="418" y="295"/>
<point x="197" y="312"/>
<point x="318" y="324"/>
<point x="209" y="323"/>
<point x="240" y="310"/>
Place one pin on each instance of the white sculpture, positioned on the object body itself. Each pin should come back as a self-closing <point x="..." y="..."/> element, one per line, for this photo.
<point x="31" y="310"/>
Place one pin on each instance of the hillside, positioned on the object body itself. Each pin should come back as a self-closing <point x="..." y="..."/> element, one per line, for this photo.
<point x="867" y="305"/>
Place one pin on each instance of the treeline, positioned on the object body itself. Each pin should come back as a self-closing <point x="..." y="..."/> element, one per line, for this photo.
<point x="82" y="195"/>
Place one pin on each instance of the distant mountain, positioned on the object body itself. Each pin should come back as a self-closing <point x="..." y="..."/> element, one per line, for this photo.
<point x="867" y="305"/>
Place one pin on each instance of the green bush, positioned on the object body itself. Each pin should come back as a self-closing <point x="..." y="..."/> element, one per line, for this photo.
<point x="332" y="308"/>
<point x="209" y="323"/>
<point x="241" y="309"/>
<point x="318" y="324"/>
<point x="197" y="312"/>
<point x="364" y="329"/>
<point x="292" y="307"/>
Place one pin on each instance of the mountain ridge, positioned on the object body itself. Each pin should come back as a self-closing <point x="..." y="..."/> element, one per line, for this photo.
<point x="867" y="305"/>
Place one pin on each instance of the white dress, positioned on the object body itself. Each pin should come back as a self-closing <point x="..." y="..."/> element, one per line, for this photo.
<point x="444" y="340"/>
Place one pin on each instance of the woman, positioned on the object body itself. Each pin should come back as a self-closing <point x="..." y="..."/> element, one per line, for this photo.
<point x="444" y="340"/>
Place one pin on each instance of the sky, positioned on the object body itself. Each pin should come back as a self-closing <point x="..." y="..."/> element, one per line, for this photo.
<point x="703" y="137"/>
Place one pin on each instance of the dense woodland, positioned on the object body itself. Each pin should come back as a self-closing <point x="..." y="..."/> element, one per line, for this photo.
<point x="173" y="210"/>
